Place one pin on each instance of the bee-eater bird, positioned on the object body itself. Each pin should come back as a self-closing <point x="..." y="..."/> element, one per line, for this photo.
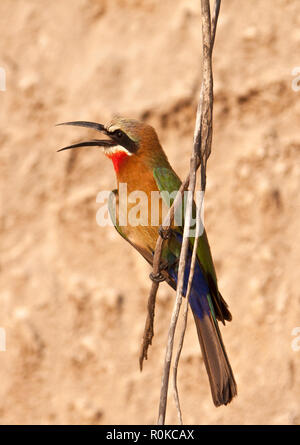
<point x="140" y="162"/>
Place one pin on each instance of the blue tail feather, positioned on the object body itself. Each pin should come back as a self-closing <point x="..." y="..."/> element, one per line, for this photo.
<point x="198" y="296"/>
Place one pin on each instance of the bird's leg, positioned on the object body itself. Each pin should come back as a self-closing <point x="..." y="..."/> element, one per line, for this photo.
<point x="165" y="232"/>
<point x="157" y="277"/>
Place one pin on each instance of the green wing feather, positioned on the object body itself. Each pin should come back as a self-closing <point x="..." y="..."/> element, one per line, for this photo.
<point x="167" y="180"/>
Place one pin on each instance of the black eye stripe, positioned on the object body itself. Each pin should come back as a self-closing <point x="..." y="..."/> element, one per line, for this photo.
<point x="124" y="140"/>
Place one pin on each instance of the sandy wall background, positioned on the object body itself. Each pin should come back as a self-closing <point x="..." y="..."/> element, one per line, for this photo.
<point x="72" y="294"/>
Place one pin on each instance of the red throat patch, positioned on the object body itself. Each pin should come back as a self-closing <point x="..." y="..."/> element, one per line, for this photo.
<point x="117" y="159"/>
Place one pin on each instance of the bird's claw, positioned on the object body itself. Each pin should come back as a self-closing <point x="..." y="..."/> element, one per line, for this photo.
<point x="165" y="233"/>
<point x="157" y="277"/>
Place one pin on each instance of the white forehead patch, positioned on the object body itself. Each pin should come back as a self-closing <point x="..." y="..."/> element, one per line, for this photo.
<point x="113" y="128"/>
<point x="116" y="149"/>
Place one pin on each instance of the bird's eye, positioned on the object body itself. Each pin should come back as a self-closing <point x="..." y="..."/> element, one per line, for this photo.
<point x="119" y="134"/>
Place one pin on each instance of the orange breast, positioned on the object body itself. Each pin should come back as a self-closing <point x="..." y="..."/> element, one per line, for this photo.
<point x="140" y="212"/>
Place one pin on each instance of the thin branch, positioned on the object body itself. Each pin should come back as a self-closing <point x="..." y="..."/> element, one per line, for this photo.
<point x="177" y="358"/>
<point x="179" y="290"/>
<point x="149" y="331"/>
<point x="202" y="145"/>
<point x="199" y="228"/>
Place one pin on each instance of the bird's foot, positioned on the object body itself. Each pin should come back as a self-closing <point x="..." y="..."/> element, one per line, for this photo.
<point x="157" y="277"/>
<point x="165" y="233"/>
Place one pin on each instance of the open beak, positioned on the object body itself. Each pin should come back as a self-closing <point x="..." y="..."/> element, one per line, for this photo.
<point x="94" y="142"/>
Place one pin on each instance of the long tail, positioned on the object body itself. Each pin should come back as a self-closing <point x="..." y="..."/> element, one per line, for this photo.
<point x="221" y="379"/>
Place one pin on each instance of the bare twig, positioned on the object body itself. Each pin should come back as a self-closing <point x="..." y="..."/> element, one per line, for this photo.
<point x="175" y="313"/>
<point x="197" y="144"/>
<point x="185" y="312"/>
<point x="177" y="358"/>
<point x="202" y="147"/>
<point x="149" y="331"/>
<point x="197" y="140"/>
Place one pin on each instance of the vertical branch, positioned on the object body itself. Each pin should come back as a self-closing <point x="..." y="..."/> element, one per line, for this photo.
<point x="202" y="150"/>
<point x="155" y="275"/>
<point x="175" y="313"/>
<point x="186" y="307"/>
